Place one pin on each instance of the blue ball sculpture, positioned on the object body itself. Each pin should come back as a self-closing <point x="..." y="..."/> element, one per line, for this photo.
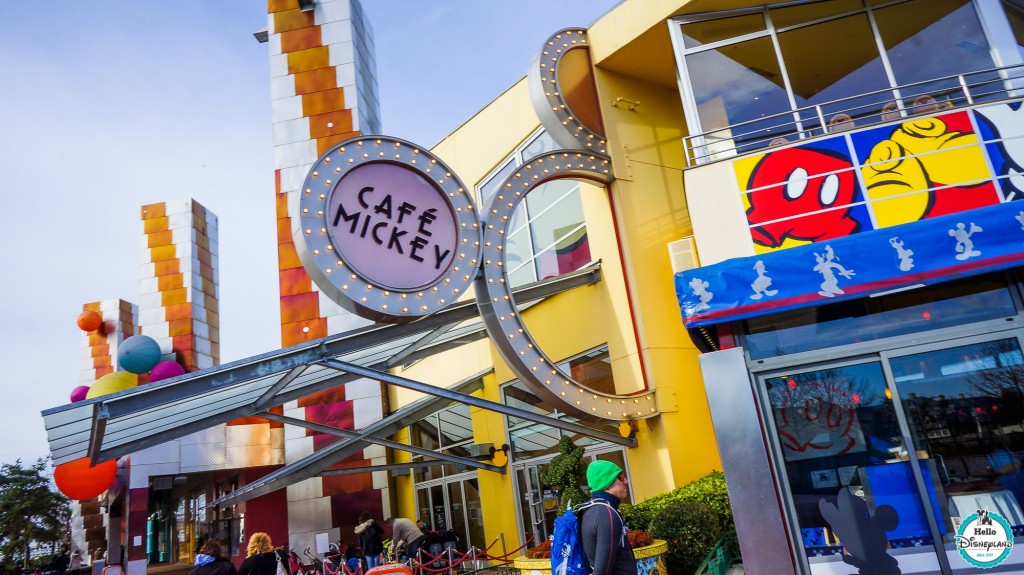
<point x="138" y="354"/>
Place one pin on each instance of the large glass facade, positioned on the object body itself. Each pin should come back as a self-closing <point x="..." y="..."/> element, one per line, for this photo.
<point x="774" y="74"/>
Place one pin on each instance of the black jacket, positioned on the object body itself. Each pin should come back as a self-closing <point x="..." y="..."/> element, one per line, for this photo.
<point x="218" y="567"/>
<point x="262" y="564"/>
<point x="370" y="541"/>
<point x="603" y="535"/>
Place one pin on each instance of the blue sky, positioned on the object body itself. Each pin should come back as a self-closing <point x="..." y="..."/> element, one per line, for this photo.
<point x="106" y="106"/>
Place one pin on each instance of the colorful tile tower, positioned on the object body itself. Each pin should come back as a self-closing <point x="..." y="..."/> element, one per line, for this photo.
<point x="323" y="91"/>
<point x="99" y="347"/>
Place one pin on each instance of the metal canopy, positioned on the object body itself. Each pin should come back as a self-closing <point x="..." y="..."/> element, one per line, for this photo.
<point x="117" y="424"/>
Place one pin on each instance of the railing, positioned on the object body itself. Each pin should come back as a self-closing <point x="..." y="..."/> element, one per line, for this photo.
<point x="861" y="110"/>
<point x="723" y="555"/>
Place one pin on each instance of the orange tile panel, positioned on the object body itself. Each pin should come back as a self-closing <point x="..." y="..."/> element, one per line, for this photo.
<point x="97" y="338"/>
<point x="351" y="483"/>
<point x="103" y="361"/>
<point x="162" y="253"/>
<point x="281" y="5"/>
<point x="277" y="181"/>
<point x="98" y="350"/>
<point x="204" y="255"/>
<point x="180" y="327"/>
<point x="212" y="319"/>
<point x="292" y="20"/>
<point x="281" y="205"/>
<point x="214" y="350"/>
<point x="151" y="226"/>
<point x="291" y="333"/>
<point x="174" y="296"/>
<point x="101" y="371"/>
<point x="306" y="60"/>
<point x="178" y="311"/>
<point x="287" y="257"/>
<point x="284" y="230"/>
<point x="340" y="121"/>
<point x="294" y="281"/>
<point x="299" y="307"/>
<point x="323" y="102"/>
<point x="212" y="305"/>
<point x="142" y="378"/>
<point x="300" y="39"/>
<point x="206" y="271"/>
<point x="182" y="343"/>
<point x="93" y="306"/>
<point x="151" y="211"/>
<point x="166" y="283"/>
<point x="159" y="239"/>
<point x="325" y="143"/>
<point x="316" y="80"/>
<point x="166" y="267"/>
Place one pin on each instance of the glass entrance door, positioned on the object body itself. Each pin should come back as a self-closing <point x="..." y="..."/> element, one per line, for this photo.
<point x="965" y="409"/>
<point x="538" y="504"/>
<point x="855" y="492"/>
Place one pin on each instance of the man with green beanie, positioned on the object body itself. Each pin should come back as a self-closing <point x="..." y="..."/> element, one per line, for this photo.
<point x="602" y="531"/>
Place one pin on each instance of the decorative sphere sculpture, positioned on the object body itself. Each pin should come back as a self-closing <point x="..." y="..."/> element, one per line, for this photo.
<point x="166" y="370"/>
<point x="89" y="320"/>
<point x="112" y="382"/>
<point x="138" y="354"/>
<point x="79" y="481"/>
<point x="79" y="393"/>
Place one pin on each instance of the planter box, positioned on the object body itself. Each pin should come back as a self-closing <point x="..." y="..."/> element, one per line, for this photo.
<point x="648" y="561"/>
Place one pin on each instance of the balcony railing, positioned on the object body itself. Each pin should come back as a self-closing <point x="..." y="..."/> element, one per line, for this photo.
<point x="861" y="110"/>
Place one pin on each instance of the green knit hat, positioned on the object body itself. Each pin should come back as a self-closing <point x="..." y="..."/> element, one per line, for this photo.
<point x="601" y="474"/>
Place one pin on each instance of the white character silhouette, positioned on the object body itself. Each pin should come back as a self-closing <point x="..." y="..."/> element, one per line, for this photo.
<point x="1009" y="125"/>
<point x="964" y="246"/>
<point x="827" y="267"/>
<point x="906" y="262"/>
<point x="762" y="283"/>
<point x="1020" y="218"/>
<point x="700" y="289"/>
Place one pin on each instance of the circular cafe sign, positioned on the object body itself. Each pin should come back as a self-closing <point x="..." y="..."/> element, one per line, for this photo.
<point x="386" y="229"/>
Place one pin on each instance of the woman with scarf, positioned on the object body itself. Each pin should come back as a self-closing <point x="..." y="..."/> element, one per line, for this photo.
<point x="209" y="561"/>
<point x="370" y="541"/>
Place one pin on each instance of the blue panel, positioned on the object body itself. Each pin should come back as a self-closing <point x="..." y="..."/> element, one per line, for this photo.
<point x="893" y="484"/>
<point x="927" y="251"/>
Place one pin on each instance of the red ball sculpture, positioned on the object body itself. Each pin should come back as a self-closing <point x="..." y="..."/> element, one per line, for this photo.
<point x="89" y="320"/>
<point x="79" y="481"/>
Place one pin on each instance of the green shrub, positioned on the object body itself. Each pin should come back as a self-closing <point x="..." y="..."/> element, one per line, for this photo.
<point x="691" y="531"/>
<point x="709" y="490"/>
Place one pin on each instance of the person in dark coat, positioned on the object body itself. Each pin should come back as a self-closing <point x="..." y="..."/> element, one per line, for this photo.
<point x="370" y="541"/>
<point x="210" y="562"/>
<point x="602" y="530"/>
<point x="261" y="557"/>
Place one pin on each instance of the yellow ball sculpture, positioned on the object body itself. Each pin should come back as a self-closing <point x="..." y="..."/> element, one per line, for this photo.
<point x="113" y="382"/>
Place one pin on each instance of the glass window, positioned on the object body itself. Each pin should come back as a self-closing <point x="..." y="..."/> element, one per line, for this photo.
<point x="841" y="445"/>
<point x="539" y="145"/>
<point x="792" y="15"/>
<point x="739" y="92"/>
<point x="926" y="39"/>
<point x="965" y="408"/>
<point x="424" y="433"/>
<point x="474" y="509"/>
<point x="456" y="424"/>
<point x="844" y="63"/>
<point x="489" y="187"/>
<point x="928" y="308"/>
<point x="710" y="31"/>
<point x="1015" y="16"/>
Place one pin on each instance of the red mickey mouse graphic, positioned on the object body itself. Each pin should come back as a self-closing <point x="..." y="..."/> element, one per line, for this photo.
<point x="796" y="181"/>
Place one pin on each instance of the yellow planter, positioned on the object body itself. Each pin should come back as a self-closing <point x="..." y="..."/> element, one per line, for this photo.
<point x="648" y="561"/>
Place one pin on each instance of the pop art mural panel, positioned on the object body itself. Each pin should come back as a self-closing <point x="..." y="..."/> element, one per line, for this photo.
<point x="802" y="194"/>
<point x="880" y="177"/>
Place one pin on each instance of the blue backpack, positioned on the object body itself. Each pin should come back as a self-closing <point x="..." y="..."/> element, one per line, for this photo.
<point x="567" y="557"/>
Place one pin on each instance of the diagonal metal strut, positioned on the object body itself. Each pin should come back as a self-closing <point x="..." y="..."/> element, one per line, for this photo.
<point x="380" y="441"/>
<point x="478" y="402"/>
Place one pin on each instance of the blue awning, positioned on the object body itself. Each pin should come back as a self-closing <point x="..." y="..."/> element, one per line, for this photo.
<point x="923" y="252"/>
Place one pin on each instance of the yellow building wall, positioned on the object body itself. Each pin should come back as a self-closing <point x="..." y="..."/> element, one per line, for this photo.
<point x="648" y="203"/>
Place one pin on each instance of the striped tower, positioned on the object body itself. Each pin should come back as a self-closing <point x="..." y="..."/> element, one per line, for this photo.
<point x="179" y="309"/>
<point x="99" y="357"/>
<point x="323" y="91"/>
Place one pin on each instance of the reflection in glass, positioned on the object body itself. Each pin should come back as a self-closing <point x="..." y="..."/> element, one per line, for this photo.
<point x="709" y="31"/>
<point x="792" y="15"/>
<point x="865" y="319"/>
<point x="456" y="424"/>
<point x="926" y="39"/>
<point x="474" y="509"/>
<point x="965" y="407"/>
<point x="489" y="188"/>
<point x="840" y="439"/>
<point x="844" y="62"/>
<point x="739" y="83"/>
<point x="541" y="144"/>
